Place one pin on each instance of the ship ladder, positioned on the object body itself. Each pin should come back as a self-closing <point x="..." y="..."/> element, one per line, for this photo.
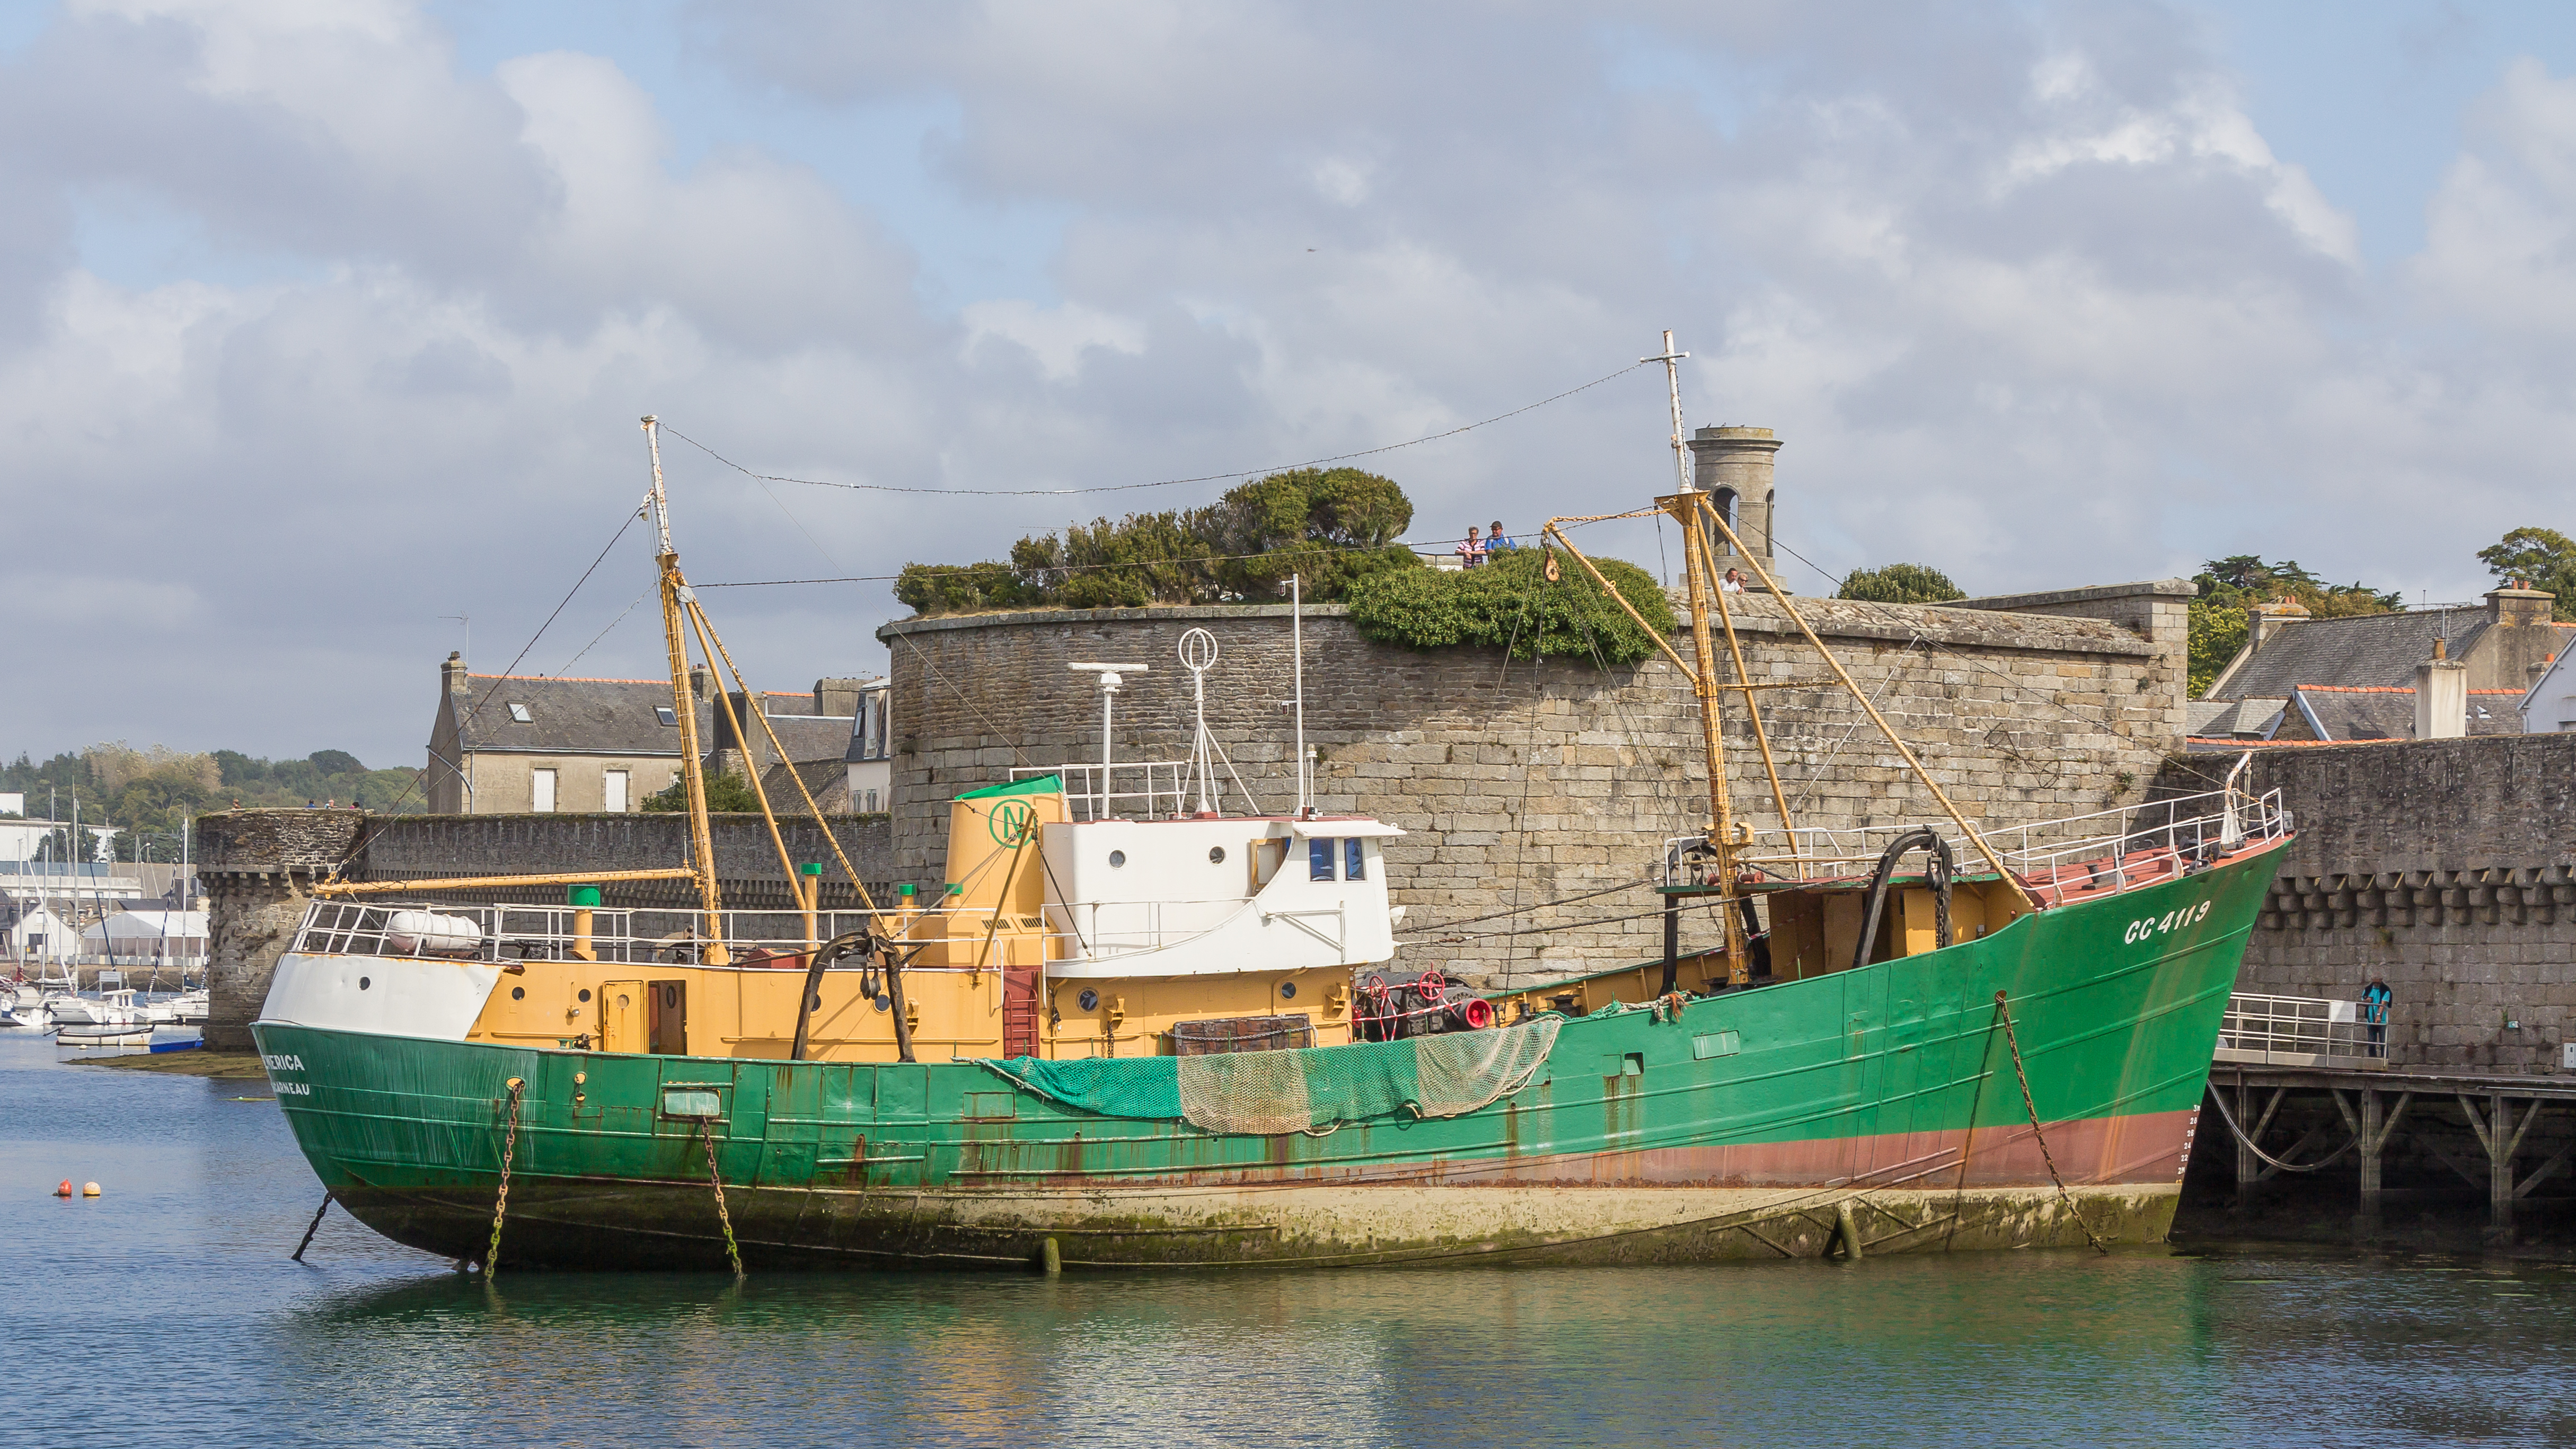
<point x="2045" y="1155"/>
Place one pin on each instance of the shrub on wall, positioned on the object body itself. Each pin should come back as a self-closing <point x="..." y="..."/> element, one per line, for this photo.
<point x="1509" y="604"/>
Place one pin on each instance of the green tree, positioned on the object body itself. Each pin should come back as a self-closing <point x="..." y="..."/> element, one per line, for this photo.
<point x="2543" y="558"/>
<point x="1509" y="604"/>
<point x="1901" y="583"/>
<point x="724" y="793"/>
<point x="1331" y="526"/>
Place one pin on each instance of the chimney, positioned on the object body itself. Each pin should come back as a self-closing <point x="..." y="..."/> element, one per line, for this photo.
<point x="2441" y="697"/>
<point x="452" y="673"/>
<point x="837" y="697"/>
<point x="697" y="681"/>
<point x="2517" y="607"/>
<point x="2264" y="622"/>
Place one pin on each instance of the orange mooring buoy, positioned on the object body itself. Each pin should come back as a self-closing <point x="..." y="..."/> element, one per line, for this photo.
<point x="65" y="1190"/>
<point x="89" y="1189"/>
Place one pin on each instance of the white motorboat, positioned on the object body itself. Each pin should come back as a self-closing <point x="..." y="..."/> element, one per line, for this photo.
<point x="188" y="1008"/>
<point x="111" y="1009"/>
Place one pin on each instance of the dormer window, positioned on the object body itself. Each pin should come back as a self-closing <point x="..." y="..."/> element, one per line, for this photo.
<point x="520" y="714"/>
<point x="667" y="715"/>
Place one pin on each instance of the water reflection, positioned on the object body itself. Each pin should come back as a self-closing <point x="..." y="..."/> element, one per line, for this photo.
<point x="175" y="1287"/>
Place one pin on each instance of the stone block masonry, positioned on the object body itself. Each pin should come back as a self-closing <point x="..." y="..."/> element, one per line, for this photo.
<point x="2446" y="866"/>
<point x="259" y="866"/>
<point x="1521" y="783"/>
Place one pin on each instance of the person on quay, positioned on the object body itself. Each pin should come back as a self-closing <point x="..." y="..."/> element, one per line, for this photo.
<point x="2374" y="1010"/>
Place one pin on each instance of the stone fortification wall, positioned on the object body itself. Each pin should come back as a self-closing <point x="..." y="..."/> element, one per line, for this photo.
<point x="1521" y="783"/>
<point x="259" y="867"/>
<point x="2443" y="865"/>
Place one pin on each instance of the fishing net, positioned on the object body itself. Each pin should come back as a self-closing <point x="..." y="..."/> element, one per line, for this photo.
<point x="1271" y="1092"/>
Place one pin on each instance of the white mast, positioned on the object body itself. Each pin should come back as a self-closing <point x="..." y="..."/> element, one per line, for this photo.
<point x="1109" y="682"/>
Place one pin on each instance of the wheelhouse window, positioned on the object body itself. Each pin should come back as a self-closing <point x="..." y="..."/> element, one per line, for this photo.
<point x="1319" y="859"/>
<point x="1354" y="863"/>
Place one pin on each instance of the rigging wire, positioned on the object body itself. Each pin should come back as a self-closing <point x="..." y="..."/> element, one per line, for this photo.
<point x="1160" y="483"/>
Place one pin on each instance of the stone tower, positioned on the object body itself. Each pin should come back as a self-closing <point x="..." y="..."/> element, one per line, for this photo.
<point x="1735" y="464"/>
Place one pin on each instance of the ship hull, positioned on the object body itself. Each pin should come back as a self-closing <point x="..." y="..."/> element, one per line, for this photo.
<point x="1747" y="1125"/>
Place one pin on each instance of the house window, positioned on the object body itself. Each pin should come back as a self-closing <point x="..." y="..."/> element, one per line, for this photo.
<point x="872" y="802"/>
<point x="520" y="714"/>
<point x="1319" y="859"/>
<point x="542" y="791"/>
<point x="1353" y="865"/>
<point x="612" y="792"/>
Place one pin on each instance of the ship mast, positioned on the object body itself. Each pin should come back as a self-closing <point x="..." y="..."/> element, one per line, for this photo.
<point x="1684" y="505"/>
<point x="676" y="597"/>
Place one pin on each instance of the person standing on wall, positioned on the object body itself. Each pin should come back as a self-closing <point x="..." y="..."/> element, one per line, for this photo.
<point x="1733" y="583"/>
<point x="1497" y="542"/>
<point x="2374" y="1010"/>
<point x="1472" y="552"/>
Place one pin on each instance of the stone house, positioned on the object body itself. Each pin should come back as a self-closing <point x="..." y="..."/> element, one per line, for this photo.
<point x="524" y="744"/>
<point x="2305" y="680"/>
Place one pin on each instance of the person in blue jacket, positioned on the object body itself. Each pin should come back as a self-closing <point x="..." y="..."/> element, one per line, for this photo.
<point x="2374" y="1009"/>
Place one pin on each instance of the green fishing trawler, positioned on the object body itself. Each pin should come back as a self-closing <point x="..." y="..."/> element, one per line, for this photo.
<point x="1176" y="1037"/>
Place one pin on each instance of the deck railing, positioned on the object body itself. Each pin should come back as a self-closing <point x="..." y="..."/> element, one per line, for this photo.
<point x="2301" y="1031"/>
<point x="2105" y="849"/>
<point x="1157" y="788"/>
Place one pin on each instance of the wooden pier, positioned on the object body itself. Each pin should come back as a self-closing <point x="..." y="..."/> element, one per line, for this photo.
<point x="2375" y="1103"/>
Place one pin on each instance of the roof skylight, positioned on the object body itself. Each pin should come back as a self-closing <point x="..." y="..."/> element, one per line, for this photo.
<point x="666" y="714"/>
<point x="520" y="713"/>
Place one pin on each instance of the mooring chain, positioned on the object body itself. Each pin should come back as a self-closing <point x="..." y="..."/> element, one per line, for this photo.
<point x="2032" y="1106"/>
<point x="501" y="1206"/>
<point x="732" y="1253"/>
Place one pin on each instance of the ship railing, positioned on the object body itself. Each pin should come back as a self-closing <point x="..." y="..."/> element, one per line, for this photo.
<point x="2301" y="1031"/>
<point x="1152" y="789"/>
<point x="645" y="936"/>
<point x="2115" y="850"/>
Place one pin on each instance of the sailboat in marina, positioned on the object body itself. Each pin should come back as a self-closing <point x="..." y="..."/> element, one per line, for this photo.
<point x="1136" y="1028"/>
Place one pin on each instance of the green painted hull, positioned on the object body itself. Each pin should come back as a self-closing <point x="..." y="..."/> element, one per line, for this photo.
<point x="1741" y="1129"/>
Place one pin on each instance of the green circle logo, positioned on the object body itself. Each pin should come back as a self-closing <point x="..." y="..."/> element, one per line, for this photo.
<point x="1008" y="819"/>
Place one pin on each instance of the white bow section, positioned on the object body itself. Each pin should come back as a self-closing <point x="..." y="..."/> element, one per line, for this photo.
<point x="1216" y="897"/>
<point x="387" y="995"/>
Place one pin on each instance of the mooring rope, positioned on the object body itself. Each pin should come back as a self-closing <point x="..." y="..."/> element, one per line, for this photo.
<point x="732" y="1254"/>
<point x="501" y="1205"/>
<point x="2229" y="1118"/>
<point x="2045" y="1155"/>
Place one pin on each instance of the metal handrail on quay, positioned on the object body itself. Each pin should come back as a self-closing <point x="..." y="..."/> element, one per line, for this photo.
<point x="2301" y="1031"/>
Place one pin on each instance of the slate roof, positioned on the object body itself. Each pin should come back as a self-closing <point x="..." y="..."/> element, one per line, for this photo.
<point x="2348" y="715"/>
<point x="827" y="780"/>
<point x="571" y="716"/>
<point x="808" y="737"/>
<point x="2367" y="649"/>
<point x="2220" y="718"/>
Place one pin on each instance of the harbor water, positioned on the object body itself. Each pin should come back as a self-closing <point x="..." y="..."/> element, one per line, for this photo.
<point x="166" y="1311"/>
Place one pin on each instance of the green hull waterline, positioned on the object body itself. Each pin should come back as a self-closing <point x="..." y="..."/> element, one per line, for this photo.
<point x="1882" y="1098"/>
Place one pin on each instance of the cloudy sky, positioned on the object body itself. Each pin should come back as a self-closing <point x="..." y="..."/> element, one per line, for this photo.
<point x="325" y="324"/>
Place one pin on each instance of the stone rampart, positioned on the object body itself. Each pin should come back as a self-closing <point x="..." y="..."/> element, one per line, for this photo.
<point x="2446" y="866"/>
<point x="259" y="867"/>
<point x="1524" y="783"/>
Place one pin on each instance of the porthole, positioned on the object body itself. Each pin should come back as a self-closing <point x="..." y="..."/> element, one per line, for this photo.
<point x="815" y="1002"/>
<point x="623" y="1003"/>
<point x="518" y="993"/>
<point x="364" y="983"/>
<point x="1117" y="858"/>
<point x="1089" y="998"/>
<point x="884" y="1002"/>
<point x="1287" y="990"/>
<point x="585" y="993"/>
<point x="1216" y="855"/>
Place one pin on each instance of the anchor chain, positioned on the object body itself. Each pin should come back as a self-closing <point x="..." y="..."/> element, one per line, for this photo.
<point x="732" y="1254"/>
<point x="501" y="1205"/>
<point x="2045" y="1155"/>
